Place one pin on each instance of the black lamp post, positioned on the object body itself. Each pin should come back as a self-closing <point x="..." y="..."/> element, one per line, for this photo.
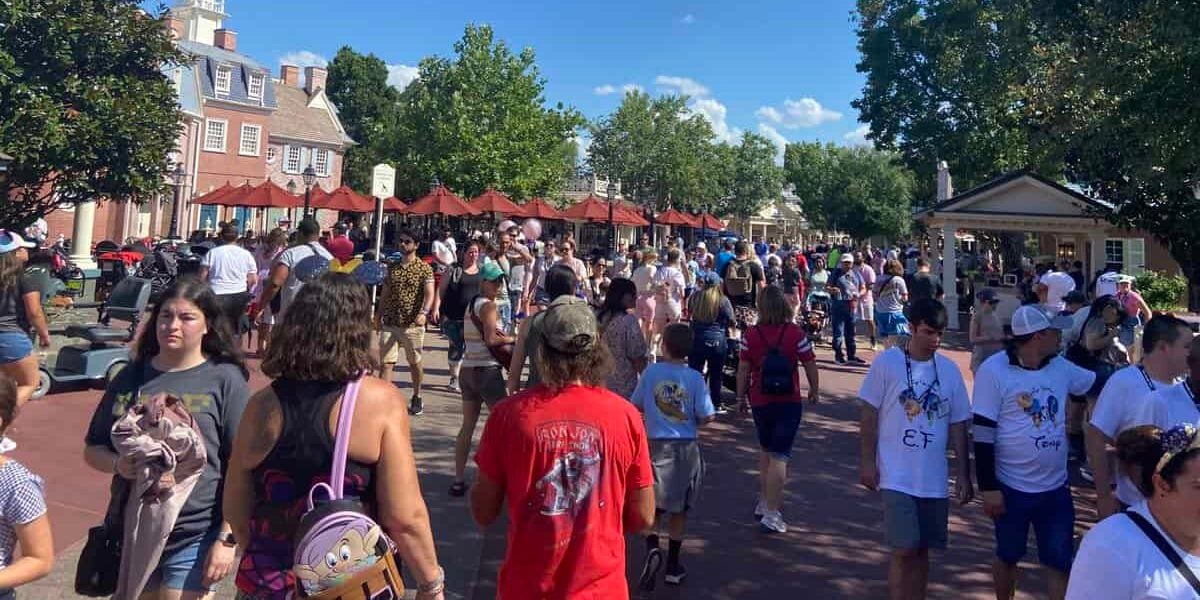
<point x="310" y="178"/>
<point x="178" y="176"/>
<point x="612" y="228"/>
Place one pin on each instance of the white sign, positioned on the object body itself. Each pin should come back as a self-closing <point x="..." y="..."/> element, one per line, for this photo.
<point x="383" y="181"/>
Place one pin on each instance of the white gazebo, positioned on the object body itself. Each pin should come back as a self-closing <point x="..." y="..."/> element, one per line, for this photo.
<point x="1019" y="201"/>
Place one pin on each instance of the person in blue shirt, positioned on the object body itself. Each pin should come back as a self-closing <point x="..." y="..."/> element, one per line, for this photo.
<point x="675" y="402"/>
<point x="724" y="257"/>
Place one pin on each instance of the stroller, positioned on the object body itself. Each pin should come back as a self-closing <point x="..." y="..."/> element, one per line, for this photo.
<point x="816" y="315"/>
<point x="161" y="268"/>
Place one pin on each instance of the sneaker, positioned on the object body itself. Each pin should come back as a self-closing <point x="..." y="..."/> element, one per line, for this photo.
<point x="760" y="509"/>
<point x="721" y="409"/>
<point x="7" y="445"/>
<point x="854" y="360"/>
<point x="839" y="360"/>
<point x="772" y="522"/>
<point x="675" y="574"/>
<point x="416" y="407"/>
<point x="453" y="385"/>
<point x="654" y="560"/>
<point x="1085" y="472"/>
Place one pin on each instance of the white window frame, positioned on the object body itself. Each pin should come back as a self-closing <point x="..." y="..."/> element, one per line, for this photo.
<point x="272" y="154"/>
<point x="257" y="129"/>
<point x="321" y="155"/>
<point x="287" y="159"/>
<point x="227" y="72"/>
<point x="1135" y="256"/>
<point x="256" y="79"/>
<point x="208" y="123"/>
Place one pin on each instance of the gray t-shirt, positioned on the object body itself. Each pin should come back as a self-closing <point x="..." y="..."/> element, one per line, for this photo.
<point x="12" y="304"/>
<point x="216" y="395"/>
<point x="290" y="258"/>
<point x="889" y="291"/>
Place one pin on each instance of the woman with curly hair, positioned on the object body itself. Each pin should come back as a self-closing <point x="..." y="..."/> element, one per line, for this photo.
<point x="187" y="351"/>
<point x="321" y="345"/>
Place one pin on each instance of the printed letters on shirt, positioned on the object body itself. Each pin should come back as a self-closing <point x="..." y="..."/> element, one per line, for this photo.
<point x="566" y="487"/>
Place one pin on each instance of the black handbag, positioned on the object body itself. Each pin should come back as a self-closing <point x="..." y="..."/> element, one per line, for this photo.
<point x="100" y="561"/>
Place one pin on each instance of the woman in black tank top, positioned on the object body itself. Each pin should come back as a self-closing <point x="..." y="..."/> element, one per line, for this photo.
<point x="285" y="445"/>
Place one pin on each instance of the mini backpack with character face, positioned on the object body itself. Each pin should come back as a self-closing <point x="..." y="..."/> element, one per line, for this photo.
<point x="341" y="552"/>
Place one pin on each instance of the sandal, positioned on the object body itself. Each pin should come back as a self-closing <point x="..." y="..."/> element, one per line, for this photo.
<point x="458" y="489"/>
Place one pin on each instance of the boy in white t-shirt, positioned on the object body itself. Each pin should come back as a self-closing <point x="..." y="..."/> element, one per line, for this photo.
<point x="1166" y="344"/>
<point x="1021" y="447"/>
<point x="915" y="404"/>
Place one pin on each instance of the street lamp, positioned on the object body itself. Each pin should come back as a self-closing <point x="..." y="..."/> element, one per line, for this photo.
<point x="612" y="228"/>
<point x="179" y="175"/>
<point x="310" y="178"/>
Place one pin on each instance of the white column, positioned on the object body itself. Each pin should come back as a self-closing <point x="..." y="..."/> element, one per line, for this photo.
<point x="1097" y="260"/>
<point x="81" y="235"/>
<point x="949" y="268"/>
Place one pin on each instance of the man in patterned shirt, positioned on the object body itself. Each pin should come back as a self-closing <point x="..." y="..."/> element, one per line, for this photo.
<point x="407" y="300"/>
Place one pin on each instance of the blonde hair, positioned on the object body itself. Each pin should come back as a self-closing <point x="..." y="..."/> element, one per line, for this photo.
<point x="705" y="304"/>
<point x="773" y="307"/>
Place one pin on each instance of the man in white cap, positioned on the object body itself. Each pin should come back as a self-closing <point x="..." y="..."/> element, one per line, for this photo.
<point x="846" y="287"/>
<point x="1021" y="447"/>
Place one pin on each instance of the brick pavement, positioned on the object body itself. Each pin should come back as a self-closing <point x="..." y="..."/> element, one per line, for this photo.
<point x="833" y="549"/>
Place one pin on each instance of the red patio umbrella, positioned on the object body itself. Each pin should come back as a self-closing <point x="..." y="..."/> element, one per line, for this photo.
<point x="595" y="210"/>
<point x="264" y="195"/>
<point x="214" y="197"/>
<point x="538" y="209"/>
<point x="441" y="201"/>
<point x="633" y="216"/>
<point x="492" y="201"/>
<point x="674" y="218"/>
<point x="707" y="221"/>
<point x="344" y="199"/>
<point x="394" y="205"/>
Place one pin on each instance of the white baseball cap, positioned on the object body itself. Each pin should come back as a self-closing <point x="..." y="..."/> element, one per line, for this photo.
<point x="1031" y="319"/>
<point x="11" y="240"/>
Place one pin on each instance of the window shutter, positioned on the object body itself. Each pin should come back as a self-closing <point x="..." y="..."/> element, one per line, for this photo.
<point x="1135" y="256"/>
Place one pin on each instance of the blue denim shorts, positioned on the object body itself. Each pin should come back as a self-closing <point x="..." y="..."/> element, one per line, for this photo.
<point x="1052" y="515"/>
<point x="777" y="424"/>
<point x="14" y="346"/>
<point x="183" y="569"/>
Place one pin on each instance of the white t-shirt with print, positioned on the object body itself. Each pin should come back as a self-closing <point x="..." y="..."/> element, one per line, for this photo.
<point x="1120" y="407"/>
<point x="915" y="430"/>
<point x="1029" y="408"/>
<point x="1117" y="560"/>
<point x="1169" y="407"/>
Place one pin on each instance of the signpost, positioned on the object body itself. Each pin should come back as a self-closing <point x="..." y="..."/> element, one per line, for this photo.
<point x="383" y="185"/>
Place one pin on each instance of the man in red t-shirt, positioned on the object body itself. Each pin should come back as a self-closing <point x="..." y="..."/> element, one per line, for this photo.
<point x="572" y="460"/>
<point x="340" y="246"/>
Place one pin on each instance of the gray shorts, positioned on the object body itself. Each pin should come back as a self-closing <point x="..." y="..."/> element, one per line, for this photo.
<point x="911" y="522"/>
<point x="678" y="473"/>
<point x="482" y="385"/>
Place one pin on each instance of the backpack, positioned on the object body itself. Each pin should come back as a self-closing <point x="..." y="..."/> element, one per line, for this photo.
<point x="341" y="552"/>
<point x="739" y="278"/>
<point x="775" y="373"/>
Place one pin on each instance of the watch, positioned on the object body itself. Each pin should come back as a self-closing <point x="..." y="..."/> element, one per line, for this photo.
<point x="228" y="540"/>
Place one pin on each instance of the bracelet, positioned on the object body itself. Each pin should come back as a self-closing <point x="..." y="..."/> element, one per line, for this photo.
<point x="437" y="586"/>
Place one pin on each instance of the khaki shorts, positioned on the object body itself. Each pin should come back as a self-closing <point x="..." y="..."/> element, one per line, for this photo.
<point x="412" y="339"/>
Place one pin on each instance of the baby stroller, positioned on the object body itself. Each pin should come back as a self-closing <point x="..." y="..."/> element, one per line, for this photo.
<point x="161" y="268"/>
<point x="815" y="315"/>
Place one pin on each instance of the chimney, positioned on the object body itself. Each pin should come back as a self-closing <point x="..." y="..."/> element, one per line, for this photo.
<point x="175" y="25"/>
<point x="289" y="75"/>
<point x="314" y="79"/>
<point x="945" y="188"/>
<point x="225" y="39"/>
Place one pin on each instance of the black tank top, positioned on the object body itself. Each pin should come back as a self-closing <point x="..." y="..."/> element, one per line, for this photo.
<point x="301" y="458"/>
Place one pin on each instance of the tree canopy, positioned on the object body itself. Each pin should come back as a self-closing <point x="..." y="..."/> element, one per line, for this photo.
<point x="367" y="107"/>
<point x="857" y="190"/>
<point x="86" y="108"/>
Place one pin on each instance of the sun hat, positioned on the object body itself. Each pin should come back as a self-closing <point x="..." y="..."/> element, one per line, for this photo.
<point x="569" y="326"/>
<point x="491" y="272"/>
<point x="1031" y="319"/>
<point x="11" y="240"/>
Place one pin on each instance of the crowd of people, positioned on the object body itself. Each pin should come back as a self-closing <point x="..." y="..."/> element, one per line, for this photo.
<point x="599" y="375"/>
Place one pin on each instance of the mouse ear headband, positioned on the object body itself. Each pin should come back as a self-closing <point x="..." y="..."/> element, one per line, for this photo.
<point x="1176" y="441"/>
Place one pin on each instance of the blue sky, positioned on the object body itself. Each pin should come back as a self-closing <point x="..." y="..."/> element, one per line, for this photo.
<point x="784" y="68"/>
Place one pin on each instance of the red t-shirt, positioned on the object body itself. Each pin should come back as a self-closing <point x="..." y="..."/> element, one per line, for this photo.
<point x="565" y="461"/>
<point x="341" y="247"/>
<point x="754" y="345"/>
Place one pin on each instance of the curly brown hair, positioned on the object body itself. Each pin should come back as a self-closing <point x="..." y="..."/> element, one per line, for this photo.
<point x="559" y="369"/>
<point x="325" y="334"/>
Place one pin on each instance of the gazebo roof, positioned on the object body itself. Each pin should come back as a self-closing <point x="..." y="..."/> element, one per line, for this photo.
<point x="1019" y="201"/>
<point x="963" y="199"/>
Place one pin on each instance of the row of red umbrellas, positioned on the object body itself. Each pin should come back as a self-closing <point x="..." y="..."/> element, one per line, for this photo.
<point x="441" y="201"/>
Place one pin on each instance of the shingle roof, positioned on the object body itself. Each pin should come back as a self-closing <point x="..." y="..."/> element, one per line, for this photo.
<point x="1093" y="203"/>
<point x="295" y="119"/>
<point x="209" y="58"/>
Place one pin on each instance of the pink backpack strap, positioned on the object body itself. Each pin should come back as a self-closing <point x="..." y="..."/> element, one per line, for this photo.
<point x="341" y="444"/>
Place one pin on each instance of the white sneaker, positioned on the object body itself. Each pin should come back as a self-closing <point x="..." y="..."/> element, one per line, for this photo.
<point x="454" y="385"/>
<point x="772" y="522"/>
<point x="760" y="509"/>
<point x="7" y="445"/>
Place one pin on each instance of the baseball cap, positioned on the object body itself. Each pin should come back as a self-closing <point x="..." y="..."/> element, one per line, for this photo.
<point x="701" y="246"/>
<point x="491" y="272"/>
<point x="846" y="258"/>
<point x="11" y="240"/>
<point x="1123" y="278"/>
<point x="1031" y="319"/>
<point x="570" y="326"/>
<point x="710" y="279"/>
<point x="986" y="295"/>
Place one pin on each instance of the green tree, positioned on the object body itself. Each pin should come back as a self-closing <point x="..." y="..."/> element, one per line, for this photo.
<point x="367" y="107"/>
<point x="86" y="110"/>
<point x="861" y="191"/>
<point x="480" y="120"/>
<point x="808" y="168"/>
<point x="756" y="179"/>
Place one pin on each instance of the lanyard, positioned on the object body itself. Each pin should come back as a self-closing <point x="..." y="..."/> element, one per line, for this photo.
<point x="912" y="386"/>
<point x="1149" y="382"/>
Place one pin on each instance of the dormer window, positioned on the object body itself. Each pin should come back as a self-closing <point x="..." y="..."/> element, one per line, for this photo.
<point x="224" y="77"/>
<point x="255" y="87"/>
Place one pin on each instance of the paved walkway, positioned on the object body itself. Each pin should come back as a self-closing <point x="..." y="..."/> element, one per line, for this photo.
<point x="833" y="549"/>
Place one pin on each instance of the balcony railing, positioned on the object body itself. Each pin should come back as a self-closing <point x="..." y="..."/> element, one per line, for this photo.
<point x="213" y="5"/>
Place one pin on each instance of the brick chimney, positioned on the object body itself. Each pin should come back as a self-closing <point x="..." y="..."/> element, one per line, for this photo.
<point x="289" y="75"/>
<point x="225" y="39"/>
<point x="175" y="25"/>
<point x="945" y="187"/>
<point x="314" y="79"/>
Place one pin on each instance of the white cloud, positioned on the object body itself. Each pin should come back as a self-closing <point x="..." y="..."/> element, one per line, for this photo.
<point x="399" y="76"/>
<point x="582" y="144"/>
<point x="632" y="87"/>
<point x="715" y="112"/>
<point x="604" y="90"/>
<point x="688" y="19"/>
<point x="776" y="138"/>
<point x="683" y="85"/>
<point x="805" y="112"/>
<point x="858" y="137"/>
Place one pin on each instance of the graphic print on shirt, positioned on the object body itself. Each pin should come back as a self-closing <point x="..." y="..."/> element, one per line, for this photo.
<point x="930" y="402"/>
<point x="1040" y="405"/>
<point x="575" y="472"/>
<point x="671" y="399"/>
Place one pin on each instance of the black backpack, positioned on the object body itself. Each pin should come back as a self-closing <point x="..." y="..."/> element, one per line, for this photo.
<point x="776" y="370"/>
